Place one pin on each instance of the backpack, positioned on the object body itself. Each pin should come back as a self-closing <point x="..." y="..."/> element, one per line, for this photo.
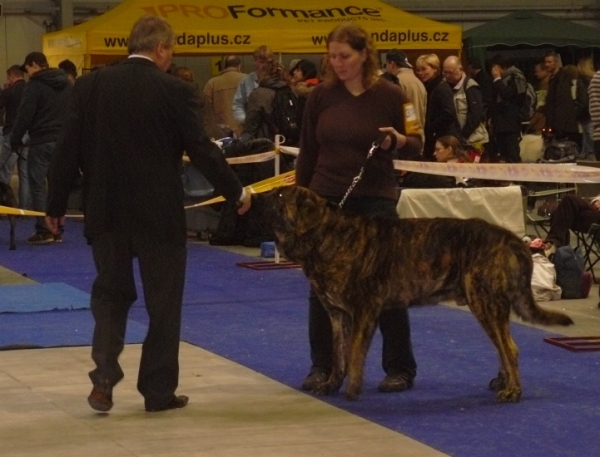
<point x="528" y="104"/>
<point x="571" y="276"/>
<point x="286" y="116"/>
<point x="561" y="151"/>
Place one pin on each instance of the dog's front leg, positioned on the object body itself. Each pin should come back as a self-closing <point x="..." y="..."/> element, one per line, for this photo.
<point x="13" y="223"/>
<point x="341" y="326"/>
<point x="362" y="335"/>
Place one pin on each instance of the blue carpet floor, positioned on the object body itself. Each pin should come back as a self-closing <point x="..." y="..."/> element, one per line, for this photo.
<point x="258" y="319"/>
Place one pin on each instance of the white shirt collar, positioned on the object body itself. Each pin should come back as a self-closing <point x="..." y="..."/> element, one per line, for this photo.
<point x="140" y="56"/>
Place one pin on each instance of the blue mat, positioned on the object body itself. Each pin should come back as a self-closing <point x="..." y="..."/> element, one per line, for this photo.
<point x="33" y="298"/>
<point x="56" y="329"/>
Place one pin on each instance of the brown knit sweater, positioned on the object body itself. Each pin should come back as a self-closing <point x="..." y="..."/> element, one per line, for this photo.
<point x="338" y="130"/>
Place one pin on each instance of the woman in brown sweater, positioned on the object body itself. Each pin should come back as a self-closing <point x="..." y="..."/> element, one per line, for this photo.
<point x="342" y="118"/>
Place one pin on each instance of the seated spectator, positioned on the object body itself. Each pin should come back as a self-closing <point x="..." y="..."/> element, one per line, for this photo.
<point x="447" y="150"/>
<point x="572" y="213"/>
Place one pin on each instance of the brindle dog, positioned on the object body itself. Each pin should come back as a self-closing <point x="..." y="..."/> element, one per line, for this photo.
<point x="7" y="198"/>
<point x="358" y="266"/>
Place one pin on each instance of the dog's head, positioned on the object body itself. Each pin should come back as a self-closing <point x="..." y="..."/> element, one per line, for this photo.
<point x="292" y="212"/>
<point x="7" y="196"/>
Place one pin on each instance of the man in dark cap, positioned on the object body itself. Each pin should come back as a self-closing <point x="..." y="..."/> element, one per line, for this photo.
<point x="397" y="64"/>
<point x="40" y="113"/>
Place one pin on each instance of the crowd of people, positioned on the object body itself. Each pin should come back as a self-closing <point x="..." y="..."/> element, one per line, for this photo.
<point x="426" y="110"/>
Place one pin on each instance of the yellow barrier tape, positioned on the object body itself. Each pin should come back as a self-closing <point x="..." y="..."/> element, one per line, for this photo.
<point x="7" y="210"/>
<point x="285" y="179"/>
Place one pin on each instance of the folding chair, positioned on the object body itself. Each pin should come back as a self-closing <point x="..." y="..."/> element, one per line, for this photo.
<point x="589" y="241"/>
<point x="541" y="222"/>
<point x="589" y="245"/>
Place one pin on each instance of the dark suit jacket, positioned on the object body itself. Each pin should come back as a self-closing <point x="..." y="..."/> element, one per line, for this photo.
<point x="127" y="128"/>
<point x="560" y="108"/>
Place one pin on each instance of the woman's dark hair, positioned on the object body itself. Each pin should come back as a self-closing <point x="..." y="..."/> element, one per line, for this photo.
<point x="308" y="69"/>
<point x="450" y="141"/>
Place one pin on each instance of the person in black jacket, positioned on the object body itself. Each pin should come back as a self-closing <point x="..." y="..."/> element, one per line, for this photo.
<point x="510" y="87"/>
<point x="40" y="114"/>
<point x="440" y="114"/>
<point x="485" y="81"/>
<point x="561" y="106"/>
<point x="260" y="114"/>
<point x="10" y="99"/>
<point x="127" y="128"/>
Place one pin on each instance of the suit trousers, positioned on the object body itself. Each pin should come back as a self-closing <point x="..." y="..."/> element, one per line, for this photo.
<point x="397" y="354"/>
<point x="162" y="270"/>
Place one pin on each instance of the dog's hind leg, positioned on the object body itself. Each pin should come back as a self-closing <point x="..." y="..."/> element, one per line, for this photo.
<point x="341" y="326"/>
<point x="362" y="335"/>
<point x="508" y="383"/>
<point x="13" y="223"/>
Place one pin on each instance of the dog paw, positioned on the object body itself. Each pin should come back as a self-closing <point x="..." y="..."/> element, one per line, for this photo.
<point x="497" y="384"/>
<point x="509" y="396"/>
<point x="353" y="390"/>
<point x="352" y="395"/>
<point x="326" y="388"/>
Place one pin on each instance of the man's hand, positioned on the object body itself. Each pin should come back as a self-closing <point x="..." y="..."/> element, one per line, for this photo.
<point x="245" y="203"/>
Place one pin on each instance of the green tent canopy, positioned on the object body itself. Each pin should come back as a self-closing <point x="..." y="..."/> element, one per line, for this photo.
<point x="529" y="29"/>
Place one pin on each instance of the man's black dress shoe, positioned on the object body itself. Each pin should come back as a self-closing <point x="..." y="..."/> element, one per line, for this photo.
<point x="176" y="402"/>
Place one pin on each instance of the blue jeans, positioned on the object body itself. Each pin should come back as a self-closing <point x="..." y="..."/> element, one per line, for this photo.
<point x="587" y="143"/>
<point x="7" y="165"/>
<point x="37" y="171"/>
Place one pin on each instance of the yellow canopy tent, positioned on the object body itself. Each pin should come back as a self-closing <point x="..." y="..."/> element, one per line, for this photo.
<point x="234" y="26"/>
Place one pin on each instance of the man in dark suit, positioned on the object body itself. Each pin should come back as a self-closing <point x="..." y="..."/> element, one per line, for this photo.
<point x="127" y="128"/>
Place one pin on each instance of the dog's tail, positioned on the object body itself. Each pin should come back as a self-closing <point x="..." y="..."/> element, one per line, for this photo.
<point x="528" y="310"/>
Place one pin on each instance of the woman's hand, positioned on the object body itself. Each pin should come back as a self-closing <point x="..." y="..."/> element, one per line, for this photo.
<point x="400" y="139"/>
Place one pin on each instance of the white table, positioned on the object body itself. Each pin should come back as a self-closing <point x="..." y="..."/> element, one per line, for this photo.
<point x="502" y="206"/>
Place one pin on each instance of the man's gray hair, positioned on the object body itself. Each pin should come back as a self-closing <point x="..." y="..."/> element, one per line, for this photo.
<point x="148" y="32"/>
